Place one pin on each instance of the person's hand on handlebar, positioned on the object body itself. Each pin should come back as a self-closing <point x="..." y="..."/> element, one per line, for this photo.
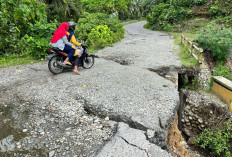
<point x="84" y="47"/>
<point x="74" y="47"/>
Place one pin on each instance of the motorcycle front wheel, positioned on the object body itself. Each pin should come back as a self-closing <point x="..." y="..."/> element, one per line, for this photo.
<point x="88" y="61"/>
<point x="54" y="64"/>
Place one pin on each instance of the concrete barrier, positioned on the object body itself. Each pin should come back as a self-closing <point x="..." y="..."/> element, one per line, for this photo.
<point x="222" y="87"/>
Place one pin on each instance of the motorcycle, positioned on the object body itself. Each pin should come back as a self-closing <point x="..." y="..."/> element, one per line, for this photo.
<point x="56" y="59"/>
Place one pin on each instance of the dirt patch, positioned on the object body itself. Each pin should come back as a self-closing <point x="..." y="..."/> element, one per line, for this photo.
<point x="176" y="141"/>
<point x="229" y="62"/>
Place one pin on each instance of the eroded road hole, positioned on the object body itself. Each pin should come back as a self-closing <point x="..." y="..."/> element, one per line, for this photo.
<point x="120" y="61"/>
<point x="174" y="73"/>
<point x="116" y="59"/>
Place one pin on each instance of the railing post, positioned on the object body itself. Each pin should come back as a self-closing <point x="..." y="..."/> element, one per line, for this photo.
<point x="194" y="50"/>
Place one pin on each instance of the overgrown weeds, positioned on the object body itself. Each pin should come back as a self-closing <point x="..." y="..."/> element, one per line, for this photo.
<point x="217" y="141"/>
<point x="186" y="57"/>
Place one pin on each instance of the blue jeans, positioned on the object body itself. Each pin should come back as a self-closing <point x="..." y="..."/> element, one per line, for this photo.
<point x="69" y="50"/>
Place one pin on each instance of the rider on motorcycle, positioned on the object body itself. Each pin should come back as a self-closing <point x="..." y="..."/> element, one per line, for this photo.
<point x="72" y="39"/>
<point x="60" y="41"/>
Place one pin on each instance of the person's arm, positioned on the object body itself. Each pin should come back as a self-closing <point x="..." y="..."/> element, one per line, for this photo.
<point x="74" y="41"/>
<point x="65" y="40"/>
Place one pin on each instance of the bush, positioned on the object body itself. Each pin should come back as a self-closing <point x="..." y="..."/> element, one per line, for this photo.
<point x="173" y="15"/>
<point x="153" y="18"/>
<point x="36" y="41"/>
<point x="217" y="40"/>
<point x="100" y="37"/>
<point x="24" y="28"/>
<point x="222" y="70"/>
<point x="200" y="2"/>
<point x="163" y="16"/>
<point x="221" y="8"/>
<point x="182" y="3"/>
<point x="218" y="141"/>
<point x="225" y="20"/>
<point x="214" y="11"/>
<point x="88" y="22"/>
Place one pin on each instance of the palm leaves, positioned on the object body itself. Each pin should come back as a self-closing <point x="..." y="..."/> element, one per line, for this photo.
<point x="71" y="9"/>
<point x="65" y="9"/>
<point x="134" y="10"/>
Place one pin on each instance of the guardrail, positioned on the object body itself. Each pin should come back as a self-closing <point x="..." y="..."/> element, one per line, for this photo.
<point x="194" y="50"/>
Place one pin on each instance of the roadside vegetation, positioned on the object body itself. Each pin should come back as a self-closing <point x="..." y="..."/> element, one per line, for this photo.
<point x="186" y="57"/>
<point x="28" y="25"/>
<point x="208" y="24"/>
<point x="217" y="141"/>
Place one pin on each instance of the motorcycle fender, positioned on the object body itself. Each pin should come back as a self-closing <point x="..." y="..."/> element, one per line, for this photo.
<point x="50" y="56"/>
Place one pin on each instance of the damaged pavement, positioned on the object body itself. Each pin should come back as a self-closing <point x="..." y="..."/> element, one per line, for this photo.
<point x="111" y="109"/>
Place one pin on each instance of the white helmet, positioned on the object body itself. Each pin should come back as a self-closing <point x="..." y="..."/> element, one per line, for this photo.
<point x="72" y="25"/>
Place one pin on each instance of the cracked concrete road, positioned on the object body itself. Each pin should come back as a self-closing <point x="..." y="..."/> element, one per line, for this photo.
<point x="66" y="118"/>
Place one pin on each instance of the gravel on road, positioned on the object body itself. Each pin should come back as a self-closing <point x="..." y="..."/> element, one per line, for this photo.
<point x="70" y="115"/>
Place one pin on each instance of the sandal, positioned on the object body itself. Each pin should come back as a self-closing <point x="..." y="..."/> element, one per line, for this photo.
<point x="68" y="63"/>
<point x="77" y="72"/>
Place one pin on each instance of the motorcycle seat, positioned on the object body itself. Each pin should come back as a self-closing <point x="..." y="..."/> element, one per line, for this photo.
<point x="55" y="49"/>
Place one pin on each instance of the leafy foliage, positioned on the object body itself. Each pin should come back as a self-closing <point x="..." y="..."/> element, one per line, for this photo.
<point x="163" y="16"/>
<point x="200" y="2"/>
<point x="189" y="83"/>
<point x="227" y="21"/>
<point x="124" y="9"/>
<point x="63" y="10"/>
<point x="100" y="37"/>
<point x="217" y="40"/>
<point x="223" y="7"/>
<point x="105" y="6"/>
<point x="181" y="3"/>
<point x="27" y="30"/>
<point x="222" y="70"/>
<point x="88" y="26"/>
<point x="214" y="10"/>
<point x="217" y="141"/>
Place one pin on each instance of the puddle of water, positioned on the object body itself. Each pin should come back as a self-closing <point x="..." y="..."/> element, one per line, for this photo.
<point x="8" y="134"/>
<point x="31" y="153"/>
<point x="7" y="144"/>
<point x="7" y="124"/>
<point x="10" y="120"/>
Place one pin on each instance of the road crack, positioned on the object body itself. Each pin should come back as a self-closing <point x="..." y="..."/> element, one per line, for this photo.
<point x="134" y="145"/>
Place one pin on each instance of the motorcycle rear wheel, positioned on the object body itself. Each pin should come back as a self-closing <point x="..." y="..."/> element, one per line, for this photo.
<point x="54" y="65"/>
<point x="88" y="62"/>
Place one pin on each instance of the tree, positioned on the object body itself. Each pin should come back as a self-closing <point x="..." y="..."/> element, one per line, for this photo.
<point x="105" y="6"/>
<point x="63" y="9"/>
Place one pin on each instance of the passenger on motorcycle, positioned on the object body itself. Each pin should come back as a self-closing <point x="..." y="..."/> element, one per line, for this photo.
<point x="72" y="39"/>
<point x="60" y="41"/>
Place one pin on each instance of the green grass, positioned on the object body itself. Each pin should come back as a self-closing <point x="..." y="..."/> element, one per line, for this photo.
<point x="185" y="56"/>
<point x="177" y="37"/>
<point x="17" y="60"/>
